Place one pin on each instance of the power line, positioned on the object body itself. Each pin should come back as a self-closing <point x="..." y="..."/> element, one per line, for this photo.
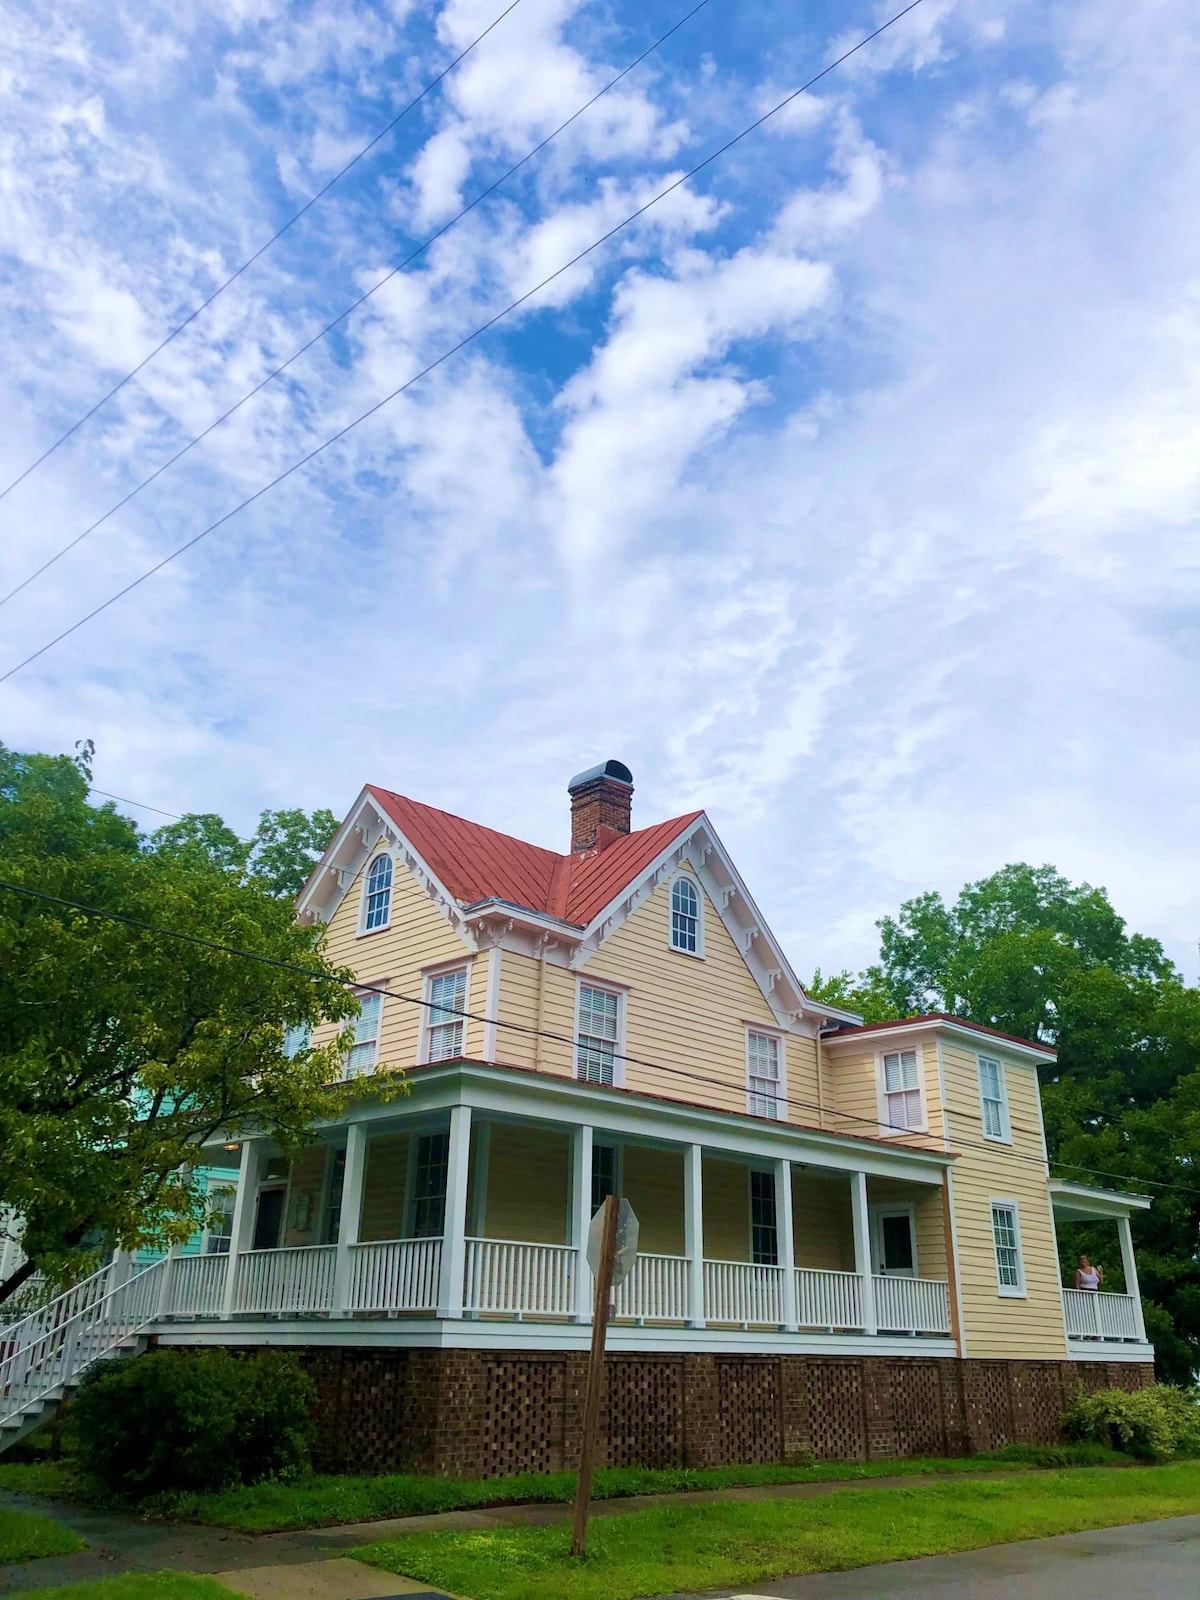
<point x="140" y="804"/>
<point x="262" y="249"/>
<point x="462" y="343"/>
<point x="350" y="309"/>
<point x="358" y="987"/>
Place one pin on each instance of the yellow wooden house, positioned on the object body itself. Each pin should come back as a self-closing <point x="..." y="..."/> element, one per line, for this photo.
<point x="847" y="1233"/>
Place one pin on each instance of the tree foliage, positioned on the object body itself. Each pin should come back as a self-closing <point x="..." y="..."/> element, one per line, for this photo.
<point x="120" y="1048"/>
<point x="1030" y="953"/>
<point x="278" y="859"/>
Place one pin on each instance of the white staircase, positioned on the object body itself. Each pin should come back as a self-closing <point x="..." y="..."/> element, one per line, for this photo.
<point x="44" y="1355"/>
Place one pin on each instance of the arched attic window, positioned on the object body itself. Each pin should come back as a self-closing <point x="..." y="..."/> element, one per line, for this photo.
<point x="377" y="893"/>
<point x="687" y="929"/>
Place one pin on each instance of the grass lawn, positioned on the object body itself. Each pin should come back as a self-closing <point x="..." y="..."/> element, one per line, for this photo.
<point x="139" y="1586"/>
<point x="321" y="1500"/>
<point x="724" y="1543"/>
<point x="24" y="1534"/>
<point x="53" y="1478"/>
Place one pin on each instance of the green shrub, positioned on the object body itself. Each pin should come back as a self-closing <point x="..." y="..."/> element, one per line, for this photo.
<point x="172" y="1421"/>
<point x="1153" y="1424"/>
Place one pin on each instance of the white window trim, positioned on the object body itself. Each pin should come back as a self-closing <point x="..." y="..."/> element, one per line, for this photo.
<point x="781" y="1040"/>
<point x="1008" y="1291"/>
<point x="363" y="931"/>
<point x="361" y="992"/>
<point x="1005" y="1134"/>
<point x="584" y="982"/>
<point x="619" y="1163"/>
<point x="698" y="953"/>
<point x="214" y="1186"/>
<point x="428" y="974"/>
<point x="886" y="1129"/>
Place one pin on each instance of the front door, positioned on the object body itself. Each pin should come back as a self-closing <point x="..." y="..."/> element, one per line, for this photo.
<point x="268" y="1221"/>
<point x="893" y="1246"/>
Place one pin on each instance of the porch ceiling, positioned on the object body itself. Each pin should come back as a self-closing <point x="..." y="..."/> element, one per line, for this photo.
<point x="1079" y="1202"/>
<point x="560" y="1101"/>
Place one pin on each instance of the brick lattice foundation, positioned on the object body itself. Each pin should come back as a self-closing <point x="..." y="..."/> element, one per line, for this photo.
<point x="472" y="1413"/>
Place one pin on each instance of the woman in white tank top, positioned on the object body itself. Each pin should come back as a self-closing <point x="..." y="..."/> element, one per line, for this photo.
<point x="1087" y="1276"/>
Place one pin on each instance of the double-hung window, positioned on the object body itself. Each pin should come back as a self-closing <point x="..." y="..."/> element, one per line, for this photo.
<point x="902" y="1090"/>
<point x="447" y="995"/>
<point x="598" y="1034"/>
<point x="993" y="1099"/>
<point x="364" y="1052"/>
<point x="430" y="1169"/>
<point x="297" y="1039"/>
<point x="377" y="894"/>
<point x="219" y="1225"/>
<point x="685" y="917"/>
<point x="764" y="1230"/>
<point x="1006" y="1236"/>
<point x="764" y="1077"/>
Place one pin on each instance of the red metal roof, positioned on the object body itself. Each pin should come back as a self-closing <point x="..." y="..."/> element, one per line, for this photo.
<point x="476" y="863"/>
<point x="940" y="1016"/>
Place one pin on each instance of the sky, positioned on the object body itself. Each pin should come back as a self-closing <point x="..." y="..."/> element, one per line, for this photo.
<point x="850" y="492"/>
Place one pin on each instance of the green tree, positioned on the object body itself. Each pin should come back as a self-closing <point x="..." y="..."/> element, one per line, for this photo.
<point x="278" y="858"/>
<point x="1030" y="953"/>
<point x="120" y="1048"/>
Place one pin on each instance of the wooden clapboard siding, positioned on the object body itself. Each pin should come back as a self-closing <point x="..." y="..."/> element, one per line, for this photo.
<point x="726" y="1211"/>
<point x="416" y="937"/>
<point x="518" y="1004"/>
<point x="690" y="1014"/>
<point x="822" y="1224"/>
<point x="306" y="1193"/>
<point x="928" y="1221"/>
<point x="652" y="1182"/>
<point x="529" y="1182"/>
<point x="996" y="1325"/>
<point x="852" y="1092"/>
<point x="384" y="1187"/>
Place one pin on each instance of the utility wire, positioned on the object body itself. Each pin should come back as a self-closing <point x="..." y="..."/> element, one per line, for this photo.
<point x="140" y="804"/>
<point x="350" y="309"/>
<point x="461" y="344"/>
<point x="360" y="988"/>
<point x="262" y="249"/>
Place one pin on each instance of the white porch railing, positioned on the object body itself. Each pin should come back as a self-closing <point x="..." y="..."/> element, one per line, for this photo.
<point x="831" y="1300"/>
<point x="195" y="1285"/>
<point x="398" y="1275"/>
<point x="911" y="1305"/>
<point x="1092" y="1314"/>
<point x="655" y="1291"/>
<point x="519" y="1279"/>
<point x="289" y="1282"/>
<point x="737" y="1292"/>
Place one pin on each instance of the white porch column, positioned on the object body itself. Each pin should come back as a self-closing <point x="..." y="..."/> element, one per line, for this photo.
<point x="454" y="1232"/>
<point x="693" y="1231"/>
<point x="350" y="1216"/>
<point x="581" y="1217"/>
<point x="862" y="1248"/>
<point x="787" y="1243"/>
<point x="1129" y="1265"/>
<point x="241" y="1228"/>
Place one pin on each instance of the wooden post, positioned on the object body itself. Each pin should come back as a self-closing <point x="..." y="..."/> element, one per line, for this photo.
<point x="595" y="1377"/>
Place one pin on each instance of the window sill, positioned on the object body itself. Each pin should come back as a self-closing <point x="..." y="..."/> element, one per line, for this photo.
<point x="998" y="1138"/>
<point x="365" y="933"/>
<point x="1012" y="1294"/>
<point x="692" y="955"/>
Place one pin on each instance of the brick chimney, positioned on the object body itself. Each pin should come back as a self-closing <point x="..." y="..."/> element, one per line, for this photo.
<point x="601" y="799"/>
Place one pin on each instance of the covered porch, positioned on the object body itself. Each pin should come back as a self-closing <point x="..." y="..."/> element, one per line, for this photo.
<point x="460" y="1215"/>
<point x="1103" y="1323"/>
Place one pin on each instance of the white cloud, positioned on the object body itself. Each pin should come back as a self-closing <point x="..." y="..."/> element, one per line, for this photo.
<point x="853" y="493"/>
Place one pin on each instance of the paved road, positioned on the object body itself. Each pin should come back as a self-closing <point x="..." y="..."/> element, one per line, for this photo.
<point x="1149" y="1561"/>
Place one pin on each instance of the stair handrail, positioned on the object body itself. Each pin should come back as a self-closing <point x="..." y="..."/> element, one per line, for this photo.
<point x="62" y="1352"/>
<point x="63" y="1306"/>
